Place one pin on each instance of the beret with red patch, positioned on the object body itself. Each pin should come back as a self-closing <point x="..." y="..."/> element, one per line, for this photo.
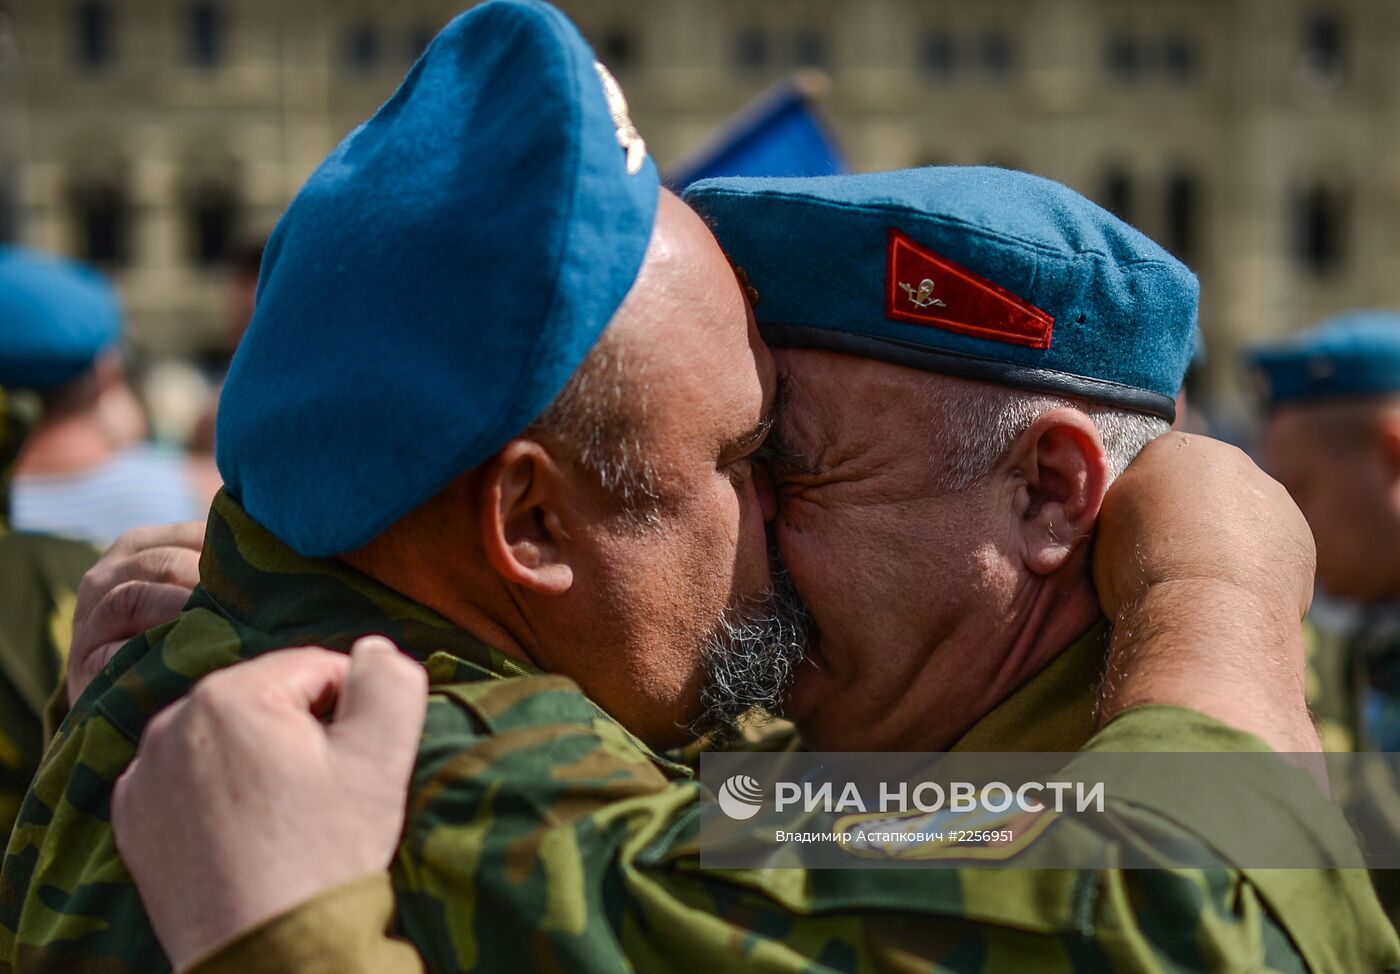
<point x="976" y="272"/>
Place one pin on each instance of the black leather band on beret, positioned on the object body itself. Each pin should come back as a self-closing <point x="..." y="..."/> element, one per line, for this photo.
<point x="912" y="356"/>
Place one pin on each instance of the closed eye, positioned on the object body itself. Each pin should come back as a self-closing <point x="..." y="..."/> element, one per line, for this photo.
<point x="784" y="460"/>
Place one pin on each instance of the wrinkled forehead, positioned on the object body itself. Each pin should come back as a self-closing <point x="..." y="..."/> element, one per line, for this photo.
<point x="847" y="403"/>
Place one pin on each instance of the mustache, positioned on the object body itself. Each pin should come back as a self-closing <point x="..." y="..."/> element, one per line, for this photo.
<point x="751" y="656"/>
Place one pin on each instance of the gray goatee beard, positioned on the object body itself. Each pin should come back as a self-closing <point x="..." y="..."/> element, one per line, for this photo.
<point x="751" y="656"/>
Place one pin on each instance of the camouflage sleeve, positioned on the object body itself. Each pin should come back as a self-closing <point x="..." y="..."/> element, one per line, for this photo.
<point x="342" y="931"/>
<point x="1354" y="934"/>
<point x="535" y="844"/>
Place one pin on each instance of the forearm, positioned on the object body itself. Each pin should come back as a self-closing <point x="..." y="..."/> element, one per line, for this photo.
<point x="1216" y="648"/>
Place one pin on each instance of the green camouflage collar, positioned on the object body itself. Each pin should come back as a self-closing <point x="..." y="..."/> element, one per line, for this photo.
<point x="282" y="599"/>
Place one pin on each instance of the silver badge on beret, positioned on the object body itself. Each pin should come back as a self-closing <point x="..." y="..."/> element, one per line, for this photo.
<point x="627" y="135"/>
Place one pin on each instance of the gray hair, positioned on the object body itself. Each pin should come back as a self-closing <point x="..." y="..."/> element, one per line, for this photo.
<point x="751" y="656"/>
<point x="974" y="424"/>
<point x="594" y="420"/>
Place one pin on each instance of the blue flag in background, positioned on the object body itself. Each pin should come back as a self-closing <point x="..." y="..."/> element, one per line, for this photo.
<point x="779" y="134"/>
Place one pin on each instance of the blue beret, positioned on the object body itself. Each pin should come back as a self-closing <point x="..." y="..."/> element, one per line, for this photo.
<point x="56" y="317"/>
<point x="975" y="272"/>
<point x="1355" y="354"/>
<point x="436" y="282"/>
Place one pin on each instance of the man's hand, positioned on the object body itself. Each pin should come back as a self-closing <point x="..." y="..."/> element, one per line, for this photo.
<point x="241" y="803"/>
<point x="1190" y="507"/>
<point x="142" y="582"/>
<point x="1206" y="566"/>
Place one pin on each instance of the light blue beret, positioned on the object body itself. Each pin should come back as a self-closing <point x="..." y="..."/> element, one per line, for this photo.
<point x="56" y="318"/>
<point x="1355" y="354"/>
<point x="437" y="280"/>
<point x="974" y="272"/>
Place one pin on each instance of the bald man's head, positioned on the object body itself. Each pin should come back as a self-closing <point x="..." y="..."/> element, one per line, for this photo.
<point x="620" y="540"/>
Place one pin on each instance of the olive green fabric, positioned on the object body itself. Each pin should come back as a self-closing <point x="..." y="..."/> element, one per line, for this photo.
<point x="342" y="931"/>
<point x="39" y="579"/>
<point x="1054" y="711"/>
<point x="541" y="835"/>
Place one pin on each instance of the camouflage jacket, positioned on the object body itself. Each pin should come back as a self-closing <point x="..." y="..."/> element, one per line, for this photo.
<point x="541" y="835"/>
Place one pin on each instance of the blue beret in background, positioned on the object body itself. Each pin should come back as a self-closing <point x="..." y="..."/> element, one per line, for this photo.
<point x="1355" y="354"/>
<point x="437" y="280"/>
<point x="56" y="318"/>
<point x="980" y="273"/>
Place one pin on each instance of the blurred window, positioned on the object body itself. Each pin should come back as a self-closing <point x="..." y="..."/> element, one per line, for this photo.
<point x="102" y="216"/>
<point x="809" y="49"/>
<point x="418" y="40"/>
<point x="205" y="34"/>
<point x="1319" y="227"/>
<point x="1122" y="57"/>
<point x="1179" y="58"/>
<point x="211" y="221"/>
<point x="1324" y="46"/>
<point x="1118" y="193"/>
<point x="618" y="49"/>
<point x="362" y="48"/>
<point x="938" y="55"/>
<point x="1183" y="199"/>
<point x="751" y="50"/>
<point x="998" y="55"/>
<point x="93" y="45"/>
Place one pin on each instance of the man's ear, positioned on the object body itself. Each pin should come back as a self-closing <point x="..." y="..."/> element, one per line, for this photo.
<point x="1064" y="474"/>
<point x="521" y="525"/>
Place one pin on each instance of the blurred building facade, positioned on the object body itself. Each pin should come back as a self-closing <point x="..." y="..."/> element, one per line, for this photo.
<point x="1258" y="139"/>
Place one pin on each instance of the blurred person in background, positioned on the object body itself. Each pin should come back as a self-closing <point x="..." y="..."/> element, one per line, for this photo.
<point x="39" y="579"/>
<point x="1332" y="438"/>
<point x="85" y="471"/>
<point x="41" y="341"/>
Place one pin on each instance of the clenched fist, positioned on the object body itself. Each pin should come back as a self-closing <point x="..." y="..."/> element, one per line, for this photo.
<point x="1206" y="566"/>
<point x="242" y="802"/>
